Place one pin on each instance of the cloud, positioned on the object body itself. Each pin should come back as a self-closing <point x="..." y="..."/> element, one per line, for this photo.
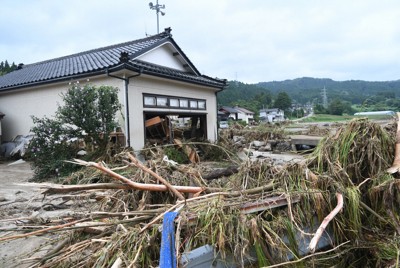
<point x="250" y="40"/>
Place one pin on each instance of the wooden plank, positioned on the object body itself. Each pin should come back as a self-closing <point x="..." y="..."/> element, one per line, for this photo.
<point x="153" y="121"/>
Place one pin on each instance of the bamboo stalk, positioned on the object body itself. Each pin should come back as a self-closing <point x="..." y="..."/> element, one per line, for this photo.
<point x="325" y="222"/>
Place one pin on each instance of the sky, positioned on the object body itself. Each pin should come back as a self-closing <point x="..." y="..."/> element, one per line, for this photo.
<point x="246" y="40"/>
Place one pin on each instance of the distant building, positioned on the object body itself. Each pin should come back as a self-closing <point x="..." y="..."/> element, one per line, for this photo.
<point x="272" y="115"/>
<point x="229" y="112"/>
<point x="245" y="115"/>
<point x="237" y="113"/>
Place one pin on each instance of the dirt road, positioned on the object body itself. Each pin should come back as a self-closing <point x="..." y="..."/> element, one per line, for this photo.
<point x="20" y="199"/>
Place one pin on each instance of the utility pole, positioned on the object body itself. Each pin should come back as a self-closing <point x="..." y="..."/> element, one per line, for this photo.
<point x="157" y="8"/>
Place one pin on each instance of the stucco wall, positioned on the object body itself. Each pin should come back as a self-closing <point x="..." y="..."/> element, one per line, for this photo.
<point x="42" y="101"/>
<point x="140" y="85"/>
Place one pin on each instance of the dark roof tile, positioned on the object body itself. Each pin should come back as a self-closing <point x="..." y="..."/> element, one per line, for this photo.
<point x="93" y="61"/>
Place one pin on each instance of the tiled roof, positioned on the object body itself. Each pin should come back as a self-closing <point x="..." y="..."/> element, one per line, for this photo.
<point x="229" y="109"/>
<point x="99" y="60"/>
<point x="244" y="110"/>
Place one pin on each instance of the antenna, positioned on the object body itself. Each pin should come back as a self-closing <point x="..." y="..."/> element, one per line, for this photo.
<point x="157" y="8"/>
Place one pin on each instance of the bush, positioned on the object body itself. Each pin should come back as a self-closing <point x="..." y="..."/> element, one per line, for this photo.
<point x="87" y="114"/>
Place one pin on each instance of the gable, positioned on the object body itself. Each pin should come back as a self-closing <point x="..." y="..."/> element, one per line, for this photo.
<point x="165" y="55"/>
<point x="156" y="55"/>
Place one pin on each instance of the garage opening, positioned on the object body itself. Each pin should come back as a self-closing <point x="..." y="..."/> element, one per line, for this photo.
<point x="164" y="128"/>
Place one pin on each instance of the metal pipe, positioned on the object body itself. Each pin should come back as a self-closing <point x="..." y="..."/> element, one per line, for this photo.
<point x="127" y="120"/>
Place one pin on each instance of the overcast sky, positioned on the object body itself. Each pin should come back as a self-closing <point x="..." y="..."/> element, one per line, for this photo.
<point x="247" y="40"/>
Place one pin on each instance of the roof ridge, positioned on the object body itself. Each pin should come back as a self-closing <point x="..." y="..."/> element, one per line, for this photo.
<point x="152" y="37"/>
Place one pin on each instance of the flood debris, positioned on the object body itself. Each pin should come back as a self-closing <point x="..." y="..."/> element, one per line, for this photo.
<point x="338" y="207"/>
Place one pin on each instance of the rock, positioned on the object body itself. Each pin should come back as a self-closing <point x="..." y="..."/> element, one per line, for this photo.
<point x="237" y="138"/>
<point x="3" y="199"/>
<point x="266" y="148"/>
<point x="258" y="143"/>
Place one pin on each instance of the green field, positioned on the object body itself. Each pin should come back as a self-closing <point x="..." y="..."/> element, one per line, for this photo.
<point x="339" y="118"/>
<point x="328" y="118"/>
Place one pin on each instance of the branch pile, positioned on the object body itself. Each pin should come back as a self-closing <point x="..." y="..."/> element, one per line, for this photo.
<point x="340" y="203"/>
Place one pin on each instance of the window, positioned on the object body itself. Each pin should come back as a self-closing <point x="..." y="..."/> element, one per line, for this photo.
<point x="162" y="101"/>
<point x="183" y="103"/>
<point x="173" y="102"/>
<point x="149" y="101"/>
<point x="193" y="104"/>
<point x="202" y="105"/>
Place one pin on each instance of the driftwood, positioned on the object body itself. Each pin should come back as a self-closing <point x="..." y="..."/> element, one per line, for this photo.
<point x="136" y="185"/>
<point x="221" y="172"/>
<point x="42" y="231"/>
<point x="396" y="162"/>
<point x="325" y="222"/>
<point x="61" y="189"/>
<point x="137" y="163"/>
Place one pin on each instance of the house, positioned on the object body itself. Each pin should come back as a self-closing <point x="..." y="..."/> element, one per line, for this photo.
<point x="272" y="115"/>
<point x="245" y="115"/>
<point x="229" y="112"/>
<point x="155" y="77"/>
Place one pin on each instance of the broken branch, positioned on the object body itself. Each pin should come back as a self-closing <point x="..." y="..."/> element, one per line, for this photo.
<point x="325" y="222"/>
<point x="136" y="185"/>
<point x="136" y="163"/>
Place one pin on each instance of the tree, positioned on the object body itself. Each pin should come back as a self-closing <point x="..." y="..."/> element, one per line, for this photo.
<point x="88" y="113"/>
<point x="336" y="107"/>
<point x="283" y="101"/>
<point x="91" y="110"/>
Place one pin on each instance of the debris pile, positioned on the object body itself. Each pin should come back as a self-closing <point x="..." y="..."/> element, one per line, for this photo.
<point x="338" y="207"/>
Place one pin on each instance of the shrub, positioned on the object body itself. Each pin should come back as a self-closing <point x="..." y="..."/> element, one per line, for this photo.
<point x="87" y="114"/>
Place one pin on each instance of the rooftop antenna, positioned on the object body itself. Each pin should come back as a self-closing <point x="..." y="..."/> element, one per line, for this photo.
<point x="157" y="8"/>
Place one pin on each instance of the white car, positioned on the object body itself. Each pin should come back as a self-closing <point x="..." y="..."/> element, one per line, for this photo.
<point x="223" y="124"/>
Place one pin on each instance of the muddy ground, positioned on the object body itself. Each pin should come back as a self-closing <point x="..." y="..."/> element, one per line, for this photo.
<point x="21" y="200"/>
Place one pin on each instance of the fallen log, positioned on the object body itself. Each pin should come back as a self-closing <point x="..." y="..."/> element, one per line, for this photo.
<point x="136" y="185"/>
<point x="136" y="163"/>
<point x="221" y="172"/>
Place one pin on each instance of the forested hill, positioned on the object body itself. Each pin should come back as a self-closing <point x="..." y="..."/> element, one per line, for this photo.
<point x="309" y="89"/>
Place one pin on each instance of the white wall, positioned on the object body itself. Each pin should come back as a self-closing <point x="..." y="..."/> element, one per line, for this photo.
<point x="163" y="56"/>
<point x="143" y="84"/>
<point x="42" y="101"/>
<point x="19" y="105"/>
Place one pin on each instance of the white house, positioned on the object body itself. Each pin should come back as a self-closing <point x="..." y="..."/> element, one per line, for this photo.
<point x="245" y="115"/>
<point x="272" y="115"/>
<point x="155" y="77"/>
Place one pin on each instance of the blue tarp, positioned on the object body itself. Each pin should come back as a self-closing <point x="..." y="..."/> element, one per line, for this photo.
<point x="167" y="254"/>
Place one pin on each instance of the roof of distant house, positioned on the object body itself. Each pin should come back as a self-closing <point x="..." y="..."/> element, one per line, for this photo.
<point x="229" y="109"/>
<point x="243" y="110"/>
<point x="106" y="59"/>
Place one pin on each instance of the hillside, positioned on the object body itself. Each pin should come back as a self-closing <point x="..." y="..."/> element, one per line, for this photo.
<point x="308" y="89"/>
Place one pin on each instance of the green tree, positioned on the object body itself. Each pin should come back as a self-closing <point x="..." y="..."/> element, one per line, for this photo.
<point x="336" y="107"/>
<point x="283" y="101"/>
<point x="91" y="110"/>
<point x="88" y="113"/>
